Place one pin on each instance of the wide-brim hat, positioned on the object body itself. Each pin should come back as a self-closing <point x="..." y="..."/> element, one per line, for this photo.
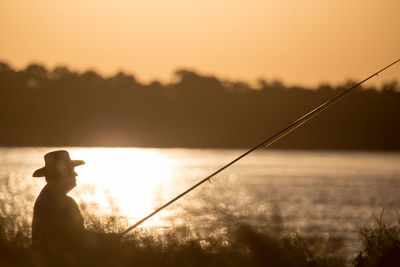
<point x="56" y="161"/>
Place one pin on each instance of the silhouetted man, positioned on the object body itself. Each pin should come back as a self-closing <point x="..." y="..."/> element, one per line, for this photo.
<point x="57" y="225"/>
<point x="58" y="234"/>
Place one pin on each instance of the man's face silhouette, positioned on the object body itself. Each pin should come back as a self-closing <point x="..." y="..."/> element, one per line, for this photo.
<point x="68" y="179"/>
<point x="64" y="177"/>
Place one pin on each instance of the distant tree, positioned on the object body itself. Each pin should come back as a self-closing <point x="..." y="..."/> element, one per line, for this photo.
<point x="4" y="67"/>
<point x="390" y="86"/>
<point x="122" y="80"/>
<point x="60" y="72"/>
<point x="323" y="88"/>
<point x="36" y="71"/>
<point x="91" y="75"/>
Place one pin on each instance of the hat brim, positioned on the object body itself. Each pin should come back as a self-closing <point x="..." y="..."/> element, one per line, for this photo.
<point x="42" y="171"/>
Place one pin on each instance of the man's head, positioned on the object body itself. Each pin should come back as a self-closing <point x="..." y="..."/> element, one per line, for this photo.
<point x="59" y="170"/>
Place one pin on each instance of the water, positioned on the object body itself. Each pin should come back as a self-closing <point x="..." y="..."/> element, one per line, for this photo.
<point x="330" y="193"/>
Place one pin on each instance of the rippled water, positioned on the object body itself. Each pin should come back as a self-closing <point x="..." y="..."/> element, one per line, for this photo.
<point x="333" y="193"/>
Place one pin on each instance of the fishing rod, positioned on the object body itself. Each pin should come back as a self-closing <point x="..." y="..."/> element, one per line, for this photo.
<point x="265" y="143"/>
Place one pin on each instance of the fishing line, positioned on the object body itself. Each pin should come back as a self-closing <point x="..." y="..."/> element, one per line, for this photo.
<point x="265" y="143"/>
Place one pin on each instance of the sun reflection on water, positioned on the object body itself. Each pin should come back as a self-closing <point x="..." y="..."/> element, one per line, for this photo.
<point x="121" y="181"/>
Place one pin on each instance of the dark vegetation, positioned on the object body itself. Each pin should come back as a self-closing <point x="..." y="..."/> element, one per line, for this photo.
<point x="59" y="107"/>
<point x="381" y="245"/>
<point x="230" y="242"/>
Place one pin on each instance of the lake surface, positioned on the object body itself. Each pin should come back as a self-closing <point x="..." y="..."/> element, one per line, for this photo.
<point x="330" y="193"/>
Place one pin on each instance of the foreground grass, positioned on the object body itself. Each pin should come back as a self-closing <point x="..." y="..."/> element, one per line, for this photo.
<point x="381" y="244"/>
<point x="243" y="245"/>
<point x="228" y="242"/>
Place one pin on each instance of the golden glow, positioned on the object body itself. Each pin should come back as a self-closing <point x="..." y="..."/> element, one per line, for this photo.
<point x="303" y="42"/>
<point x="121" y="181"/>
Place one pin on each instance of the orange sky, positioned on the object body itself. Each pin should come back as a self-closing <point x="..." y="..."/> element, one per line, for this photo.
<point x="298" y="41"/>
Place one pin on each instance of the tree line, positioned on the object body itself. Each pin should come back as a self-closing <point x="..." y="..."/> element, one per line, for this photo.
<point x="61" y="107"/>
